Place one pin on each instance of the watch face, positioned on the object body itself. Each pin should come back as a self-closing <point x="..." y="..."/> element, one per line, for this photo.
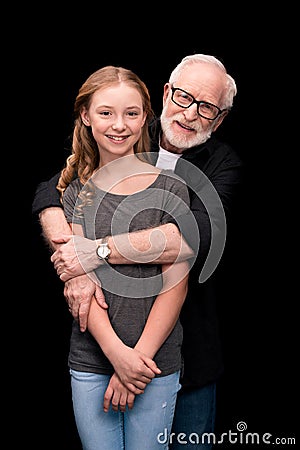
<point x="103" y="251"/>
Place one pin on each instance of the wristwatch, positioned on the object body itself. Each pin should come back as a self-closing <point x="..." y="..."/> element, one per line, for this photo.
<point x="103" y="251"/>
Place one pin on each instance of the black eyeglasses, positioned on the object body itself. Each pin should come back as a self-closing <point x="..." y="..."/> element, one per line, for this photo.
<point x="204" y="109"/>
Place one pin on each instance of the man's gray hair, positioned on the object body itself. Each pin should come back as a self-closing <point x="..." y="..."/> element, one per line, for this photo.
<point x="197" y="58"/>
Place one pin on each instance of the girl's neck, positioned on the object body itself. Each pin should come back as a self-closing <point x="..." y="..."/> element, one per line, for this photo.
<point x="125" y="175"/>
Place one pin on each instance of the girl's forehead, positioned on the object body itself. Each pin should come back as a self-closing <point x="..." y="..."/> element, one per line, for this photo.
<point x="117" y="93"/>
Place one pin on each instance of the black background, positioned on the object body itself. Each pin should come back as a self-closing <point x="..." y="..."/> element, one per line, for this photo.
<point x="257" y="305"/>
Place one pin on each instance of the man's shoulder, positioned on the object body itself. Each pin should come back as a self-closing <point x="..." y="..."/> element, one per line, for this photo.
<point x="212" y="153"/>
<point x="221" y="149"/>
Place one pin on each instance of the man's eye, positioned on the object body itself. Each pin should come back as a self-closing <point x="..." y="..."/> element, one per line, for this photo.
<point x="206" y="106"/>
<point x="185" y="97"/>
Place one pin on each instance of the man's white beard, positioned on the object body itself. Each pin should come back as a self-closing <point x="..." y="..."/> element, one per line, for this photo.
<point x="182" y="141"/>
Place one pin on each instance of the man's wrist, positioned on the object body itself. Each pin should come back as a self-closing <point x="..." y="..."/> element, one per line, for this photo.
<point x="103" y="250"/>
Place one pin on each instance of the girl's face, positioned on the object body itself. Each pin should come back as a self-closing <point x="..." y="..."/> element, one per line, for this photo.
<point x="116" y="117"/>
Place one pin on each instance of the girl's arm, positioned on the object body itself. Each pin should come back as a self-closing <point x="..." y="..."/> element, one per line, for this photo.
<point x="161" y="320"/>
<point x="166" y="308"/>
<point x="134" y="369"/>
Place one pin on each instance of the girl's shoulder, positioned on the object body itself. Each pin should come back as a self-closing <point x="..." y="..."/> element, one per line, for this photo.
<point x="171" y="178"/>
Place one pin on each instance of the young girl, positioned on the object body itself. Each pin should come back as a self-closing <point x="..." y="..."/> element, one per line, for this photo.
<point x="117" y="191"/>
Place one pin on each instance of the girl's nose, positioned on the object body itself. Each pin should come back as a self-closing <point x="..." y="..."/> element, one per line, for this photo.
<point x="120" y="125"/>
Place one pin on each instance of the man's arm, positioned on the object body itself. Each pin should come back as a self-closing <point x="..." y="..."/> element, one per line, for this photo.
<point x="79" y="290"/>
<point x="46" y="195"/>
<point x="160" y="245"/>
<point x="47" y="207"/>
<point x="53" y="223"/>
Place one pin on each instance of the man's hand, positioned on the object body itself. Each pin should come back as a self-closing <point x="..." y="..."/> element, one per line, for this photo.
<point x="75" y="257"/>
<point x="78" y="292"/>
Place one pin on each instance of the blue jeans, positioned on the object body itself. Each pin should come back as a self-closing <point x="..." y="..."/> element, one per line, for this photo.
<point x="146" y="427"/>
<point x="194" y="415"/>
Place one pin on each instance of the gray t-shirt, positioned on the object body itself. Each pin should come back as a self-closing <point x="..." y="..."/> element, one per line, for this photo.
<point x="130" y="289"/>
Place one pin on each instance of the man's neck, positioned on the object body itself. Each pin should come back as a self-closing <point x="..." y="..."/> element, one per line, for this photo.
<point x="165" y="144"/>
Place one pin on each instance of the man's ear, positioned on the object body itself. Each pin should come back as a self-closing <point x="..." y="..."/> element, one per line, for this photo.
<point x="167" y="88"/>
<point x="219" y="120"/>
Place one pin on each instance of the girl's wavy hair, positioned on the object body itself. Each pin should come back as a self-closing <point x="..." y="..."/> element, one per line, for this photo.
<point x="85" y="158"/>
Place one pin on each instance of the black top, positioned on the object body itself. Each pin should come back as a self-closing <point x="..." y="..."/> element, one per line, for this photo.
<point x="217" y="162"/>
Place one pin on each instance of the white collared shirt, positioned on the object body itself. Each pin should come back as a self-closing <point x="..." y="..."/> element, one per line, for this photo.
<point x="167" y="160"/>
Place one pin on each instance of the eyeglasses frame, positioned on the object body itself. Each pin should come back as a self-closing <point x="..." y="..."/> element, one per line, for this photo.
<point x="197" y="102"/>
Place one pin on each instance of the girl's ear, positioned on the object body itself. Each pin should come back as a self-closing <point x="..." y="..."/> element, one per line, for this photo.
<point x="144" y="119"/>
<point x="84" y="117"/>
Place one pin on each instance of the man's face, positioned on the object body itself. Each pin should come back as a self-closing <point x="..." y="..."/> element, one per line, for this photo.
<point x="184" y="128"/>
